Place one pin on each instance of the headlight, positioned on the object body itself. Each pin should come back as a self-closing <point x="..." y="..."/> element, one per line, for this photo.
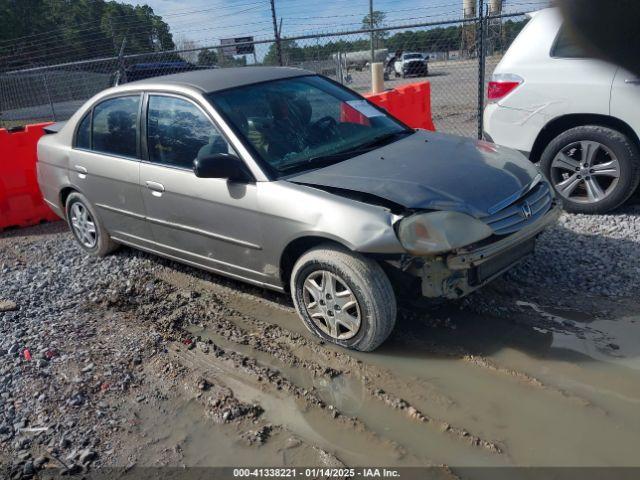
<point x="438" y="232"/>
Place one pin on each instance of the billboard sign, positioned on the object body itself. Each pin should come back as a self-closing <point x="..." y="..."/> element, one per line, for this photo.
<point x="230" y="46"/>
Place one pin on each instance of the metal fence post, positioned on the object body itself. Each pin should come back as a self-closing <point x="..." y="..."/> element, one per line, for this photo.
<point x="122" y="68"/>
<point x="481" y="64"/>
<point x="276" y="33"/>
<point x="372" y="34"/>
<point x="46" y="89"/>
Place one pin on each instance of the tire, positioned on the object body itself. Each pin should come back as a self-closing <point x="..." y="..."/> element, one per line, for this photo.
<point x="367" y="284"/>
<point x="584" y="198"/>
<point x="103" y="245"/>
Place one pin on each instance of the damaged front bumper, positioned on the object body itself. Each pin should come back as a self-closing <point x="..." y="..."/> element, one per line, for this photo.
<point x="457" y="274"/>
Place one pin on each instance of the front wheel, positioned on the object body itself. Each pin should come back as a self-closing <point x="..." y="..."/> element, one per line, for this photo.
<point x="343" y="297"/>
<point x="593" y="169"/>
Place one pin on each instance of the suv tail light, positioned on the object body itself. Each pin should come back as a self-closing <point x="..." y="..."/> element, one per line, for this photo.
<point x="501" y="84"/>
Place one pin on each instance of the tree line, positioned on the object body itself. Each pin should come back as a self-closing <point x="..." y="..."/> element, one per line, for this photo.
<point x="437" y="39"/>
<point x="34" y="32"/>
<point x="45" y="32"/>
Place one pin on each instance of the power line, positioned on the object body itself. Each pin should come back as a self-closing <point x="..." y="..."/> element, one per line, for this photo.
<point x="135" y="15"/>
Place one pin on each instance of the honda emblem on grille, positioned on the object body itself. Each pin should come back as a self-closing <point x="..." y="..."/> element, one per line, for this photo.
<point x="525" y="210"/>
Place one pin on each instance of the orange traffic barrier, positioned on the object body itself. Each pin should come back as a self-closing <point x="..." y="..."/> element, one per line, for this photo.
<point x="409" y="103"/>
<point x="21" y="202"/>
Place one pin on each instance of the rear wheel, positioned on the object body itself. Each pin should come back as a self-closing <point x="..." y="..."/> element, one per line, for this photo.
<point x="87" y="227"/>
<point x="344" y="298"/>
<point x="593" y="169"/>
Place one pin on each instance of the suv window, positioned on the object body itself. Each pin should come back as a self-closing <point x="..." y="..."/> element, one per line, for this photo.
<point x="178" y="132"/>
<point x="83" y="134"/>
<point x="115" y="123"/>
<point x="565" y="47"/>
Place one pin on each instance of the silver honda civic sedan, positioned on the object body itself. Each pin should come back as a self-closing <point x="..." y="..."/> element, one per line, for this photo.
<point x="285" y="179"/>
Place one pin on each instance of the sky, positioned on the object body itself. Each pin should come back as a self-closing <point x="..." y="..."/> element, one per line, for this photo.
<point x="206" y="21"/>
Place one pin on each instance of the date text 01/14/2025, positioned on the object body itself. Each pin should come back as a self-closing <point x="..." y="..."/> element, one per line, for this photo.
<point x="315" y="472"/>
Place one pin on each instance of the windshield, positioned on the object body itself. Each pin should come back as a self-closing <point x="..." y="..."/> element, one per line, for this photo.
<point x="410" y="56"/>
<point x="302" y="123"/>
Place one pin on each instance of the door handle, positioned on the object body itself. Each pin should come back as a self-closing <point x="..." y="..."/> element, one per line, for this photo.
<point x="632" y="81"/>
<point x="81" y="171"/>
<point x="156" y="188"/>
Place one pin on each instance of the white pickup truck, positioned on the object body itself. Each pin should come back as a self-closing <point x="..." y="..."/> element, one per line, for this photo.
<point x="411" y="63"/>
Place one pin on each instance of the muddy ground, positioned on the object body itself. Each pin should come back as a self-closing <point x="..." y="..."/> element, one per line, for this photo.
<point x="145" y="362"/>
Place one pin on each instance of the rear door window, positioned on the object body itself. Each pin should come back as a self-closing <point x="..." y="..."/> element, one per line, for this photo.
<point x="115" y="126"/>
<point x="178" y="132"/>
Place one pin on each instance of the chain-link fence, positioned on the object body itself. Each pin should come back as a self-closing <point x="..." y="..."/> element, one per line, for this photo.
<point x="459" y="55"/>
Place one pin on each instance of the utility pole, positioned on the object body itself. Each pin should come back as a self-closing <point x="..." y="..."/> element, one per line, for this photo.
<point x="481" y="64"/>
<point x="372" y="34"/>
<point x="276" y="32"/>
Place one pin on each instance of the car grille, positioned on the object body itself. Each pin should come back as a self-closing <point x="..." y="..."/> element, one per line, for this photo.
<point x="500" y="263"/>
<point x="536" y="201"/>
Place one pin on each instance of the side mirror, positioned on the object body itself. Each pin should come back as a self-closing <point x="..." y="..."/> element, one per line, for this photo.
<point x="221" y="165"/>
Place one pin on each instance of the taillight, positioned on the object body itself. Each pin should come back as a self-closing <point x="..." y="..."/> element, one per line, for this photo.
<point x="502" y="84"/>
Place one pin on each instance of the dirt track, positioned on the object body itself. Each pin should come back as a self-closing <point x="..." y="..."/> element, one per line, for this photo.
<point x="188" y="368"/>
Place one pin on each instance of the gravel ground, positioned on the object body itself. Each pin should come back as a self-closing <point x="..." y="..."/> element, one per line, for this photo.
<point x="65" y="359"/>
<point x="588" y="254"/>
<point x="54" y="361"/>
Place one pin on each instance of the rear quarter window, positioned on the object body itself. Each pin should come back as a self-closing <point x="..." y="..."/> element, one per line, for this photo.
<point x="83" y="134"/>
<point x="565" y="47"/>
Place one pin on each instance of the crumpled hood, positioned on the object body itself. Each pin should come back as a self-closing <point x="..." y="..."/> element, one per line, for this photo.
<point x="434" y="171"/>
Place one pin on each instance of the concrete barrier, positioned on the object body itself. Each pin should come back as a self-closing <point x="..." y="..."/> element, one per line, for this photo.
<point x="410" y="103"/>
<point x="21" y="202"/>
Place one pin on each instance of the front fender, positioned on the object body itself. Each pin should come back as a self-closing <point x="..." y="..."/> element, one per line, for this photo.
<point x="291" y="211"/>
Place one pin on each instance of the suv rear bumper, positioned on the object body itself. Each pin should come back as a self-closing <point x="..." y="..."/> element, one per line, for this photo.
<point x="512" y="127"/>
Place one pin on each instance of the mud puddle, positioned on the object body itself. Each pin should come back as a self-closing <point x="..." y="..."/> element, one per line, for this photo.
<point x="533" y="386"/>
<point x="345" y="393"/>
<point x="540" y="393"/>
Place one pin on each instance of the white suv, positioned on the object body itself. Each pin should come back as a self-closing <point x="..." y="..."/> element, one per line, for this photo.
<point x="577" y="116"/>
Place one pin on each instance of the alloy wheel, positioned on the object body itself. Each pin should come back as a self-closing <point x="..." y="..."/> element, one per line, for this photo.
<point x="585" y="171"/>
<point x="83" y="225"/>
<point x="331" y="305"/>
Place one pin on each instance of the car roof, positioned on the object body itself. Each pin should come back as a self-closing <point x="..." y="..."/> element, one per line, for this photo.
<point x="211" y="80"/>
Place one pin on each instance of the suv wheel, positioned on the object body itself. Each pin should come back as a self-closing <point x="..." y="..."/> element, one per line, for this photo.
<point x="86" y="226"/>
<point x="344" y="298"/>
<point x="593" y="169"/>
